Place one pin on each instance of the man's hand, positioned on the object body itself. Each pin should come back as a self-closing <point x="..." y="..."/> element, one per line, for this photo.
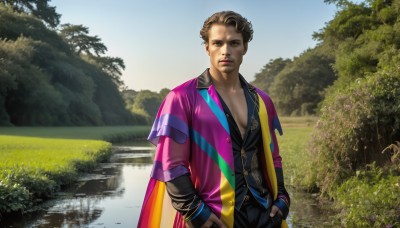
<point x="213" y="222"/>
<point x="275" y="209"/>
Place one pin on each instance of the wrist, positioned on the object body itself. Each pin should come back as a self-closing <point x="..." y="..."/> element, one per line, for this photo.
<point x="283" y="207"/>
<point x="200" y="216"/>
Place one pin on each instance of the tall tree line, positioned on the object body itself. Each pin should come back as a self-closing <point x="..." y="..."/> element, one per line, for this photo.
<point x="298" y="85"/>
<point x="56" y="75"/>
<point x="360" y="116"/>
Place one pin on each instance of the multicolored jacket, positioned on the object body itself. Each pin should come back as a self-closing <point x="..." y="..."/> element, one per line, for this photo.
<point x="198" y="142"/>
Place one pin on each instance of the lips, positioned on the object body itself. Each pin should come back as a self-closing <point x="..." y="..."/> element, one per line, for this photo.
<point x="225" y="61"/>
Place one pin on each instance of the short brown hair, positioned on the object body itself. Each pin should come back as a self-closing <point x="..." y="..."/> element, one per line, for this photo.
<point x="241" y="24"/>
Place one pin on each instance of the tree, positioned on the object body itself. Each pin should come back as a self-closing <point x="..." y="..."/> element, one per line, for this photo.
<point x="129" y="97"/>
<point x="164" y="92"/>
<point x="266" y="77"/>
<point x="112" y="66"/>
<point x="360" y="115"/>
<point x="38" y="8"/>
<point x="43" y="83"/>
<point x="147" y="103"/>
<point x="349" y="23"/>
<point x="299" y="87"/>
<point x="77" y="37"/>
<point x="361" y="36"/>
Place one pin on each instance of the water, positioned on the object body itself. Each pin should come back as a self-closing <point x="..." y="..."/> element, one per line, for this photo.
<point x="112" y="196"/>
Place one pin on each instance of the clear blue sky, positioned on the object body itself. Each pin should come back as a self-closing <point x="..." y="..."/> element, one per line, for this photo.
<point x="160" y="43"/>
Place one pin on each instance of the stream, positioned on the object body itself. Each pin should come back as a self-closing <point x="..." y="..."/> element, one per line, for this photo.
<point x="112" y="195"/>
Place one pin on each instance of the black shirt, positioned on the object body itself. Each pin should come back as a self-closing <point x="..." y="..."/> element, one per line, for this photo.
<point x="248" y="175"/>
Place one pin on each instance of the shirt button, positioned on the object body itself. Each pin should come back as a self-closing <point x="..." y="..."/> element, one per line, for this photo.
<point x="228" y="140"/>
<point x="246" y="173"/>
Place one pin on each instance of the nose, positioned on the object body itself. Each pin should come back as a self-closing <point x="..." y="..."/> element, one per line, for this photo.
<point x="225" y="50"/>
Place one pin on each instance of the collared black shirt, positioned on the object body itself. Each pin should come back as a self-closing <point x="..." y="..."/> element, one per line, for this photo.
<point x="248" y="175"/>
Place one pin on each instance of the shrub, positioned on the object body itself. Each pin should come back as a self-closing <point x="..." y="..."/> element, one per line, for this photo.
<point x="369" y="199"/>
<point x="13" y="196"/>
<point x="35" y="181"/>
<point x="356" y="124"/>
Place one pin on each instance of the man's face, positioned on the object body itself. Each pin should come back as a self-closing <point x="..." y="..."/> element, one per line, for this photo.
<point x="226" y="49"/>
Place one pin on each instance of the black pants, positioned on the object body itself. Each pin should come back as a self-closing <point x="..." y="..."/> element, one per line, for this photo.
<point x="251" y="214"/>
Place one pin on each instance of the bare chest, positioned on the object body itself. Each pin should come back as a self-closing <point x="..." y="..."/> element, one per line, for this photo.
<point x="238" y="107"/>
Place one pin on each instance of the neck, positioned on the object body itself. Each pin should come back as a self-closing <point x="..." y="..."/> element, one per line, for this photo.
<point x="224" y="81"/>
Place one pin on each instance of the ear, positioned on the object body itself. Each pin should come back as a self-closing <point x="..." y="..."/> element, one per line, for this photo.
<point x="207" y="46"/>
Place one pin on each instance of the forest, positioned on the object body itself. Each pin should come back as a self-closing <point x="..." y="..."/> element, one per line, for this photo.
<point x="59" y="75"/>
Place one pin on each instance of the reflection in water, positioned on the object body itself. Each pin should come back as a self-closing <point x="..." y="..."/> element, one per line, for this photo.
<point x="306" y="211"/>
<point x="71" y="213"/>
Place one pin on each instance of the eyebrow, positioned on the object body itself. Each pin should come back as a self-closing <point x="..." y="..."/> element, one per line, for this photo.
<point x="220" y="40"/>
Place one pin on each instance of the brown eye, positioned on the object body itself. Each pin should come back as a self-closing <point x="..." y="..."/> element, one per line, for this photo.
<point x="235" y="43"/>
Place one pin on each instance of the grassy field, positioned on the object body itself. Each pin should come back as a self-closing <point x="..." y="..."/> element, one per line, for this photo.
<point x="293" y="149"/>
<point x="36" y="161"/>
<point x="106" y="133"/>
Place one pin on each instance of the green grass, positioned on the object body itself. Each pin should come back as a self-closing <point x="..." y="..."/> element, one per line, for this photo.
<point x="292" y="146"/>
<point x="301" y="121"/>
<point x="49" y="155"/>
<point x="36" y="161"/>
<point x="107" y="133"/>
<point x="293" y="149"/>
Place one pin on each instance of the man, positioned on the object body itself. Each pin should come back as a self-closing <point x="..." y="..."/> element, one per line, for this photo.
<point x="217" y="158"/>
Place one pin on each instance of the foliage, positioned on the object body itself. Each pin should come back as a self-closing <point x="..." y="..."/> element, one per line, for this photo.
<point x="164" y="92"/>
<point x="13" y="197"/>
<point x="38" y="8"/>
<point x="355" y="126"/>
<point x="90" y="48"/>
<point x="77" y="36"/>
<point x="374" y="199"/>
<point x="112" y="66"/>
<point x="266" y="77"/>
<point x="299" y="86"/>
<point x="371" y="198"/>
<point x="13" y="26"/>
<point x="30" y="83"/>
<point x="144" y="104"/>
<point x="363" y="37"/>
<point x="360" y="116"/>
<point x="42" y="82"/>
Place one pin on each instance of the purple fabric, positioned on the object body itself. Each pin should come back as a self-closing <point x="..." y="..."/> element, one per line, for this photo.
<point x="167" y="175"/>
<point x="169" y="125"/>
